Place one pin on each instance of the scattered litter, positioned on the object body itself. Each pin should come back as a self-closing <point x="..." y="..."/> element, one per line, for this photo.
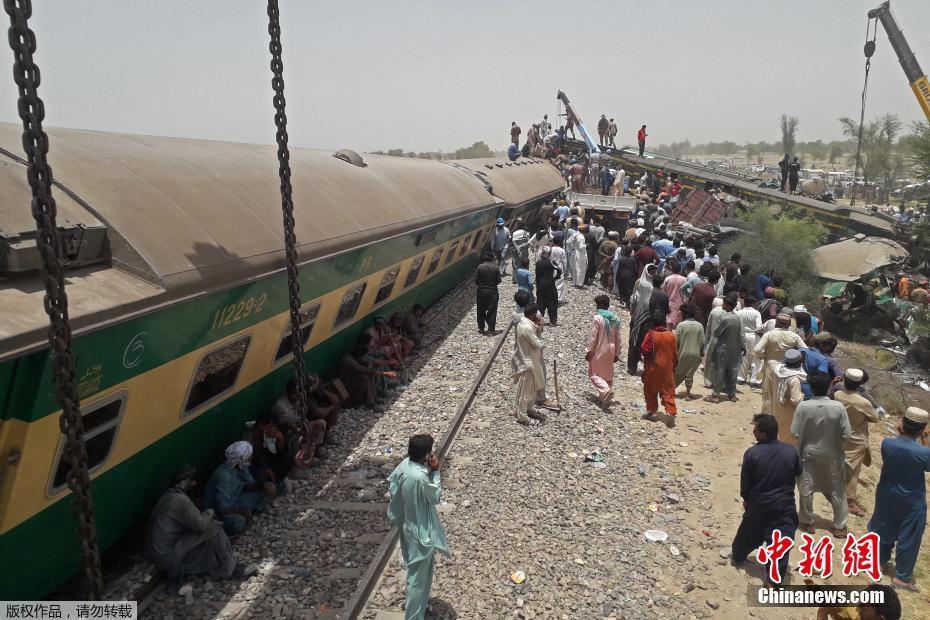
<point x="683" y="444"/>
<point x="695" y="429"/>
<point x="701" y="480"/>
<point x="573" y="455"/>
<point x="594" y="456"/>
<point x="598" y="465"/>
<point x="653" y="507"/>
<point x="673" y="498"/>
<point x="674" y="550"/>
<point x="690" y="410"/>
<point x="724" y="553"/>
<point x="705" y="532"/>
<point x="518" y="577"/>
<point x="579" y="561"/>
<point x="655" y="535"/>
<point x="924" y="386"/>
<point x="187" y="591"/>
<point x="641" y="469"/>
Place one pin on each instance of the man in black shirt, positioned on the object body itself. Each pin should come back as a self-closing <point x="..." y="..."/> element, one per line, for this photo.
<point x="783" y="169"/>
<point x="767" y="481"/>
<point x="487" y="279"/>
<point x="794" y="170"/>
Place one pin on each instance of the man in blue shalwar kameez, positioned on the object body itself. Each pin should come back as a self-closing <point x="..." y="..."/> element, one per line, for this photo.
<point x="415" y="492"/>
<point x="901" y="497"/>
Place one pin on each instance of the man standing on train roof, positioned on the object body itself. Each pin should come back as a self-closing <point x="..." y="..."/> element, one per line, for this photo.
<point x="641" y="138"/>
<point x="612" y="133"/>
<point x="416" y="490"/>
<point x="900" y="514"/>
<point x="602" y="126"/>
<point x="500" y="240"/>
<point x="182" y="541"/>
<point x="515" y="133"/>
<point x="232" y="492"/>
<point x="487" y="278"/>
<point x="767" y="480"/>
<point x="783" y="169"/>
<point x="794" y="171"/>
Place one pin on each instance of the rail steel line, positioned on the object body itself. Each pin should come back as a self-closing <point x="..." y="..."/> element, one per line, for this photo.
<point x="372" y="576"/>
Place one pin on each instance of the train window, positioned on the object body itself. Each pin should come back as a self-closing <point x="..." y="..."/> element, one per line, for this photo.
<point x="415" y="267"/>
<point x="474" y="242"/>
<point x="351" y="300"/>
<point x="101" y="422"/>
<point x="451" y="254"/>
<point x="434" y="261"/>
<point x="216" y="373"/>
<point x="387" y="285"/>
<point x="308" y="315"/>
<point x="464" y="246"/>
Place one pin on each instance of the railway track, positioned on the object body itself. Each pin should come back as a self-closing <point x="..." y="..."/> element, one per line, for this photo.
<point x="372" y="576"/>
<point x="151" y="589"/>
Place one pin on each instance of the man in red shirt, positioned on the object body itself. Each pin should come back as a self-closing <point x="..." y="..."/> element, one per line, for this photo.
<point x="644" y="255"/>
<point x="641" y="138"/>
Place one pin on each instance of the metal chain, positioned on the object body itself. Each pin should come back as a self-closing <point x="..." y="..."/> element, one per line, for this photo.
<point x="26" y="74"/>
<point x="287" y="203"/>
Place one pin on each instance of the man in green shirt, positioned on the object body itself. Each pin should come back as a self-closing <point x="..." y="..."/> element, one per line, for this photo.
<point x="415" y="493"/>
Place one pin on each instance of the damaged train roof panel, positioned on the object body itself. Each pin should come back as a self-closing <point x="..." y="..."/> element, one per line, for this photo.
<point x="850" y="260"/>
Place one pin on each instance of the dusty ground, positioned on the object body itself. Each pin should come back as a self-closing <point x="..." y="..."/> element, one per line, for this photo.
<point x="520" y="499"/>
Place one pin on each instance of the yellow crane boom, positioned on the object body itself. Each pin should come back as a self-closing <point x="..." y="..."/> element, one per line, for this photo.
<point x="915" y="75"/>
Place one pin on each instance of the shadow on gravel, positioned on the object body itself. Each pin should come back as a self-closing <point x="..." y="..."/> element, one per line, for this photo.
<point x="440" y="610"/>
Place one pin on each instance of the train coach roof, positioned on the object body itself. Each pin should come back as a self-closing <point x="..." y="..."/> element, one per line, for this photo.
<point x="516" y="182"/>
<point x="200" y="212"/>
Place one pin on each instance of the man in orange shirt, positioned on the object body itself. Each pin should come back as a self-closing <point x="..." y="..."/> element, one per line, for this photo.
<point x="660" y="355"/>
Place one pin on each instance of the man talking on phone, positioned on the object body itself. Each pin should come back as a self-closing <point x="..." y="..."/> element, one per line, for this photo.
<point x="415" y="492"/>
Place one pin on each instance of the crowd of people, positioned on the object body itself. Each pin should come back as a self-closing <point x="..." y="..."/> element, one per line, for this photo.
<point x="190" y="532"/>
<point x="543" y="139"/>
<point x="689" y="311"/>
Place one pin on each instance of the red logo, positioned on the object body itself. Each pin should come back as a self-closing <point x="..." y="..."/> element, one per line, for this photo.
<point x="816" y="557"/>
<point x="773" y="552"/>
<point x="861" y="556"/>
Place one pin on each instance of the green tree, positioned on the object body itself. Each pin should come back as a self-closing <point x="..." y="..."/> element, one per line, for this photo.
<point x="789" y="130"/>
<point x="836" y="152"/>
<point x="783" y="244"/>
<point x="917" y="146"/>
<point x="817" y="152"/>
<point x="878" y="159"/>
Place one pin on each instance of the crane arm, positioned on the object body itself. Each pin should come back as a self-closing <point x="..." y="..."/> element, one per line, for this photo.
<point x="915" y="75"/>
<point x="589" y="140"/>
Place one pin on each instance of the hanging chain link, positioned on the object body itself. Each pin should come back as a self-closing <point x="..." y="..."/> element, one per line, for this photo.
<point x="287" y="203"/>
<point x="35" y="142"/>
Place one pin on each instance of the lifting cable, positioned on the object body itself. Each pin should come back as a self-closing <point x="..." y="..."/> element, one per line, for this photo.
<point x="26" y="74"/>
<point x="868" y="49"/>
<point x="287" y="205"/>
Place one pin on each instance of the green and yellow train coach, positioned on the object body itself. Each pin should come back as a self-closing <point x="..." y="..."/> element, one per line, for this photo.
<point x="178" y="301"/>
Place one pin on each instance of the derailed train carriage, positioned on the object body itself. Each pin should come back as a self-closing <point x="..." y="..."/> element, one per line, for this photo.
<point x="840" y="220"/>
<point x="178" y="303"/>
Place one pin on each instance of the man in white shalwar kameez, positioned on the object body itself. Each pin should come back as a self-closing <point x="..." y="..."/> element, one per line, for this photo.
<point x="577" y="246"/>
<point x="529" y="367"/>
<point x="560" y="260"/>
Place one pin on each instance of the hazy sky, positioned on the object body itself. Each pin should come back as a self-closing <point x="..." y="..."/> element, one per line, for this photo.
<point x="426" y="75"/>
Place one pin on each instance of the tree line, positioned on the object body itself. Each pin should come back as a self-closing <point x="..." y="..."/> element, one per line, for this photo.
<point x="476" y="150"/>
